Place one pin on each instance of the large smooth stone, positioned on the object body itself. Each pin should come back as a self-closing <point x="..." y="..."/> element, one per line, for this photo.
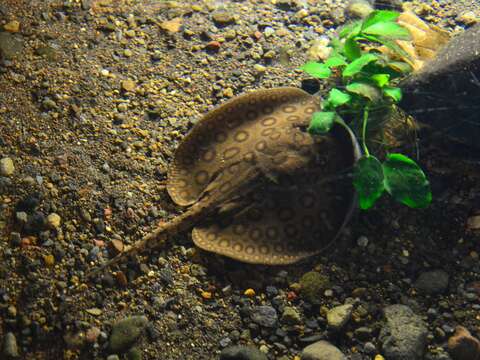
<point x="444" y="93"/>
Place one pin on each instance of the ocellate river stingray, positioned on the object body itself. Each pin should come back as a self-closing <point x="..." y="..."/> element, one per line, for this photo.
<point x="257" y="186"/>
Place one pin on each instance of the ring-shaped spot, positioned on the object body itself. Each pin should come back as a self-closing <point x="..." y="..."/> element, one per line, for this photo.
<point x="275" y="135"/>
<point x="284" y="98"/>
<point x="233" y="169"/>
<point x="231" y="152"/>
<point x="211" y="236"/>
<point x="272" y="233"/>
<point x="267" y="132"/>
<point x="268" y="121"/>
<point x="310" y="110"/>
<point x="249" y="157"/>
<point x="255" y="234"/>
<point x="220" y="137"/>
<point x="291" y="230"/>
<point x="263" y="249"/>
<point x="209" y="155"/>
<point x="184" y="194"/>
<point x="252" y="101"/>
<point x="307" y="200"/>
<point x="251" y="115"/>
<point x="293" y="118"/>
<point x="274" y="98"/>
<point x="289" y="109"/>
<point x="233" y="122"/>
<point x="202" y="177"/>
<point x="267" y="110"/>
<point x="279" y="159"/>
<point x="239" y="229"/>
<point x="224" y="243"/>
<point x="238" y="247"/>
<point x="279" y="248"/>
<point x="241" y="136"/>
<point x="249" y="249"/>
<point x="261" y="146"/>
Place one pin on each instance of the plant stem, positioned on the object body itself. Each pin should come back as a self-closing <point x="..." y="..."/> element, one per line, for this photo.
<point x="364" y="131"/>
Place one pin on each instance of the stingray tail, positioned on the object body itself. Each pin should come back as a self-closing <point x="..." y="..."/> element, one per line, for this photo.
<point x="139" y="246"/>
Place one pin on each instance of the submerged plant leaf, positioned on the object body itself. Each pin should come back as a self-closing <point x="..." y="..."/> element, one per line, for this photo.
<point x="366" y="90"/>
<point x="338" y="98"/>
<point x="394" y="93"/>
<point x="400" y="66"/>
<point x="357" y="65"/>
<point x="380" y="79"/>
<point x="380" y="16"/>
<point x="350" y="30"/>
<point x="351" y="49"/>
<point x="322" y="122"/>
<point x="368" y="181"/>
<point x="389" y="30"/>
<point x="335" y="61"/>
<point x="406" y="181"/>
<point x="317" y="70"/>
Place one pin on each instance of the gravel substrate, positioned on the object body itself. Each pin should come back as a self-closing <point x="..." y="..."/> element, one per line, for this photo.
<point x="95" y="95"/>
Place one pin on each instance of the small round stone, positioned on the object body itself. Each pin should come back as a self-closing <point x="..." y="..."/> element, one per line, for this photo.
<point x="6" y="167"/>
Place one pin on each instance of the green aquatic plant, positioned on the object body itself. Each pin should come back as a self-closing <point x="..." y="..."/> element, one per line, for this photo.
<point x="365" y="81"/>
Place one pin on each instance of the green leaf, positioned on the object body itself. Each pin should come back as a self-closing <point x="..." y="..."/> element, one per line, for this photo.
<point x="390" y="30"/>
<point x="406" y="182"/>
<point x="335" y="61"/>
<point x="322" y="122"/>
<point x="350" y="30"/>
<point x="391" y="44"/>
<point x="357" y="65"/>
<point x="316" y="69"/>
<point x="364" y="89"/>
<point x="351" y="49"/>
<point x="380" y="79"/>
<point x="400" y="66"/>
<point x="380" y="16"/>
<point x="338" y="98"/>
<point x="394" y="93"/>
<point x="368" y="180"/>
<point x="336" y="45"/>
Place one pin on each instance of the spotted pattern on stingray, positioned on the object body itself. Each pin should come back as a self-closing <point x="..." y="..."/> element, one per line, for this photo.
<point x="276" y="228"/>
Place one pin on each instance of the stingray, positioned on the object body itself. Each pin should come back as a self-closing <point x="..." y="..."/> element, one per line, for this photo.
<point x="257" y="186"/>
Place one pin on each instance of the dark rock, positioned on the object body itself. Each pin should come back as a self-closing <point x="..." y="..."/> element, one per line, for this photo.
<point x="10" y="45"/>
<point x="126" y="332"/>
<point x="242" y="353"/>
<point x="322" y="350"/>
<point x="405" y="334"/>
<point x="463" y="346"/>
<point x="444" y="93"/>
<point x="432" y="282"/>
<point x="10" y="347"/>
<point x="265" y="316"/>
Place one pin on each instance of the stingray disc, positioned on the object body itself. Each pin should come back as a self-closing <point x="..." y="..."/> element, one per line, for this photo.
<point x="294" y="214"/>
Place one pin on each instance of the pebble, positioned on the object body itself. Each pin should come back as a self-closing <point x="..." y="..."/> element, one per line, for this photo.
<point x="249" y="293"/>
<point x="12" y="26"/>
<point x="134" y="354"/>
<point x="129" y="85"/>
<point x="126" y="332"/>
<point x="10" y="347"/>
<point x="313" y="285"/>
<point x="359" y="8"/>
<point x="242" y="353"/>
<point x="468" y="18"/>
<point x="463" y="346"/>
<point x="432" y="282"/>
<point x="473" y="222"/>
<point x="6" y="167"/>
<point x="404" y="335"/>
<point x="339" y="316"/>
<point x="113" y="357"/>
<point x="362" y="241"/>
<point x="10" y="46"/>
<point x="322" y="350"/>
<point x="265" y="316"/>
<point x="223" y="17"/>
<point x="291" y="316"/>
<point x="54" y="220"/>
<point x="22" y="217"/>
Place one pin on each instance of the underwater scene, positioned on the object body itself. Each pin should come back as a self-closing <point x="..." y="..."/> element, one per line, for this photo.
<point x="240" y="180"/>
